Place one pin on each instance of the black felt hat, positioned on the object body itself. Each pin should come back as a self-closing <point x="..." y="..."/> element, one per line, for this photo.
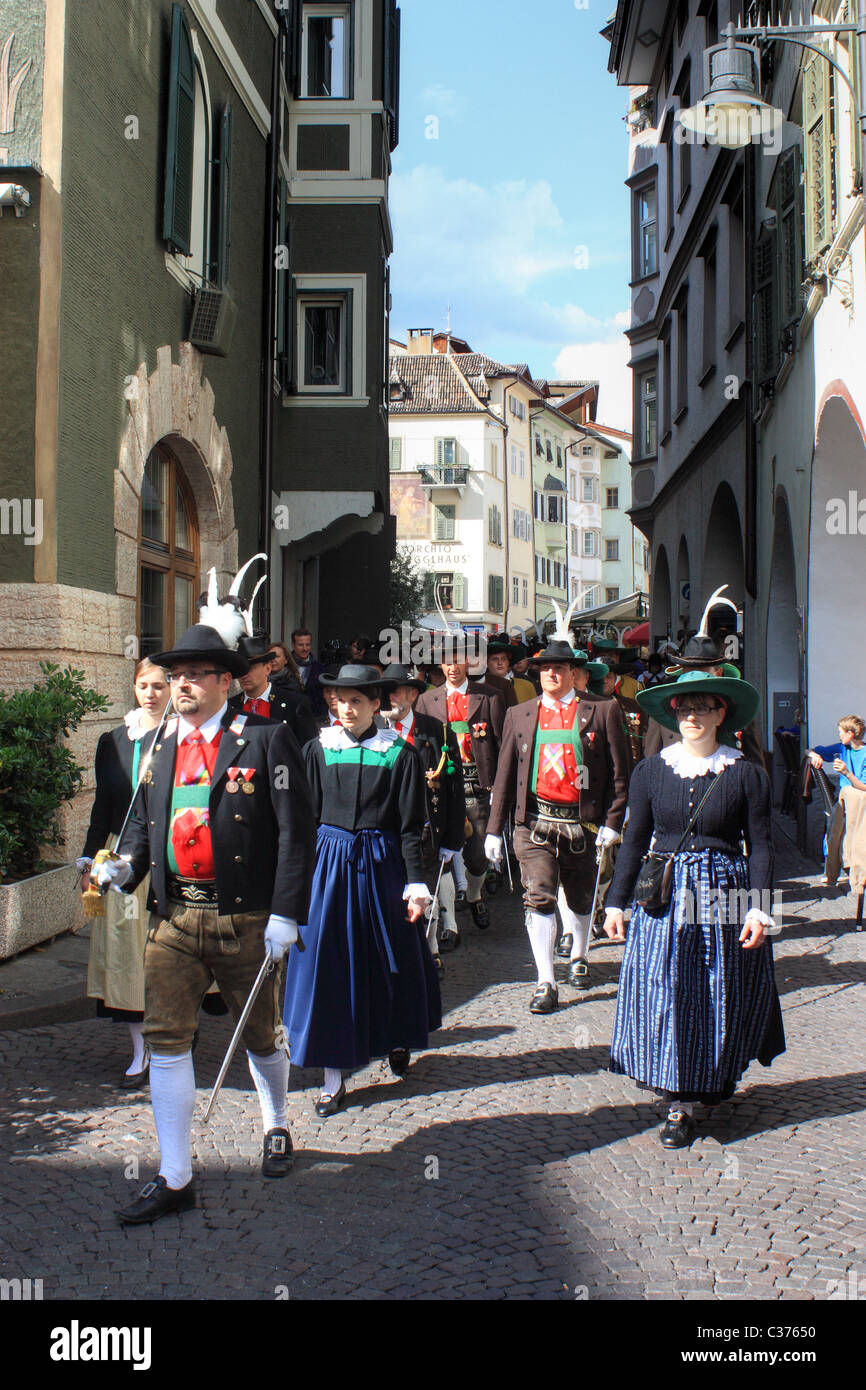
<point x="203" y="643"/>
<point x="396" y="675"/>
<point x="560" y="651"/>
<point x="256" y="648"/>
<point x="354" y="677"/>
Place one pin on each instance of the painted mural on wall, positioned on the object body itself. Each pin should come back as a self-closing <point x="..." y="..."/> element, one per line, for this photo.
<point x="409" y="505"/>
<point x="22" y="28"/>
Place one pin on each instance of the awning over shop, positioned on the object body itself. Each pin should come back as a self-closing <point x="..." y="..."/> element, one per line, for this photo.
<point x="622" y="613"/>
<point x="636" y="636"/>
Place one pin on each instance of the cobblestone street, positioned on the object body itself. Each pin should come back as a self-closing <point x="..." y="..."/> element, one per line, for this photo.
<point x="507" y="1163"/>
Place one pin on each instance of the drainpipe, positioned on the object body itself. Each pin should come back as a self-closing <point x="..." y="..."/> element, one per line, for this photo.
<point x="750" y="540"/>
<point x="266" y="431"/>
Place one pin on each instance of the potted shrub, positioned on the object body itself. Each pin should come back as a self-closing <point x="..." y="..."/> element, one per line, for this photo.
<point x="38" y="773"/>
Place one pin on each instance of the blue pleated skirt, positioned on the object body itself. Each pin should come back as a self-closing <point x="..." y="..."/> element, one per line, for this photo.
<point x="693" y="1008"/>
<point x="366" y="983"/>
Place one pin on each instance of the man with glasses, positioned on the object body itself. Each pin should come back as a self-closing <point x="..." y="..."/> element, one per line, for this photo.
<point x="224" y="823"/>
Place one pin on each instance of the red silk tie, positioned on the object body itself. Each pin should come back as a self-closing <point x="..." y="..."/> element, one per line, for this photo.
<point x="258" y="706"/>
<point x="192" y="766"/>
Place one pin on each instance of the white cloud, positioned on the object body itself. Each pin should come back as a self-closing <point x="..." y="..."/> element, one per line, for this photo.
<point x="603" y="361"/>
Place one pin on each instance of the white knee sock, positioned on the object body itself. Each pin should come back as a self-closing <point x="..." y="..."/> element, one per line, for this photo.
<point x="574" y="924"/>
<point x="332" y="1082"/>
<point x="136" y="1032"/>
<point x="447" y="894"/>
<point x="542" y="934"/>
<point x="172" y="1090"/>
<point x="271" y="1075"/>
<point x="473" y="886"/>
<point x="459" y="871"/>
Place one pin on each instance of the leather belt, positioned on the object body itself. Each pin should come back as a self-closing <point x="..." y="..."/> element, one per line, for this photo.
<point x="554" y="810"/>
<point x="193" y="892"/>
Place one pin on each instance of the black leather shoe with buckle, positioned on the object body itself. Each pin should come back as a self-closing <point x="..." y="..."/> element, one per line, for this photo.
<point x="678" y="1130"/>
<point x="480" y="915"/>
<point x="277" y="1156"/>
<point x="329" y="1105"/>
<point x="398" y="1060"/>
<point x="157" y="1199"/>
<point x="563" y="950"/>
<point x="545" y="1000"/>
<point x="578" y="974"/>
<point x="460" y="899"/>
<point x="448" y="941"/>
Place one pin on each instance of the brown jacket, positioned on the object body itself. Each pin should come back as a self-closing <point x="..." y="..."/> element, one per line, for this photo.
<point x="485" y="707"/>
<point x="605" y="757"/>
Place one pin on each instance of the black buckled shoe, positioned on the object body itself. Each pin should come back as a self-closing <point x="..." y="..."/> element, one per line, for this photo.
<point x="480" y="915"/>
<point x="460" y="899"/>
<point x="563" y="949"/>
<point x="329" y="1105"/>
<point x="545" y="1000"/>
<point x="493" y="881"/>
<point x="157" y="1199"/>
<point x="678" y="1130"/>
<point x="398" y="1060"/>
<point x="277" y="1155"/>
<point x="578" y="974"/>
<point x="448" y="941"/>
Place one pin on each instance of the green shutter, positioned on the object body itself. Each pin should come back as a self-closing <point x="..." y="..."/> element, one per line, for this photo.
<point x="789" y="237"/>
<point x="819" y="156"/>
<point x="764" y="309"/>
<point x="396" y="454"/>
<point x="180" y="137"/>
<point x="459" y="591"/>
<point x="294" y="48"/>
<point x="391" y="95"/>
<point x="445" y="522"/>
<point x="440" y="452"/>
<point x="221" y="239"/>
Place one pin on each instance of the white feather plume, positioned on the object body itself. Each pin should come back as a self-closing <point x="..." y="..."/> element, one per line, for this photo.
<point x="562" y="632"/>
<point x="248" y="612"/>
<point x="228" y="618"/>
<point x="238" y="579"/>
<point x="714" y="601"/>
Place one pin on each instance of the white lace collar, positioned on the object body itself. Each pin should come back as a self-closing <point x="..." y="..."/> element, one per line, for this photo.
<point x="135" y="729"/>
<point x="686" y="765"/>
<point x="336" y="737"/>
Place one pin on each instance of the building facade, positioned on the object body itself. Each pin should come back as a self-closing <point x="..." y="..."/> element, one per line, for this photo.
<point x="201" y="238"/>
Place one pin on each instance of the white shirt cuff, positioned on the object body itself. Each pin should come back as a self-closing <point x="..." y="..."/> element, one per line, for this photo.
<point x="281" y="921"/>
<point x="417" y="890"/>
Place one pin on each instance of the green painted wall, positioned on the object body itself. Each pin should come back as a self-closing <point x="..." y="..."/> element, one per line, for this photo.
<point x="19" y="313"/>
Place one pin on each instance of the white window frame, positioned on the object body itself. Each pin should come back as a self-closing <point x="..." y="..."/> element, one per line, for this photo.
<point x="588" y="489"/>
<point x="328" y="11"/>
<point x="190" y="270"/>
<point x="590" y="549"/>
<point x="323" y="287"/>
<point x="525" y="588"/>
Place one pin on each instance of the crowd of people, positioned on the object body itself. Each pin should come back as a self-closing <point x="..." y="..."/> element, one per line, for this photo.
<point x="335" y="819"/>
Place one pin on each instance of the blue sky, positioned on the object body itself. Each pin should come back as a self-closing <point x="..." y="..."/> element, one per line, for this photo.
<point x="516" y="214"/>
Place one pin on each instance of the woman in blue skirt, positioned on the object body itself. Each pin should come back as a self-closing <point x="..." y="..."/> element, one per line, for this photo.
<point x="697" y="998"/>
<point x="366" y="985"/>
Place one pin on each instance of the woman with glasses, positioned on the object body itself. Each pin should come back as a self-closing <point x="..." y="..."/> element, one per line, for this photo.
<point x="697" y="998"/>
<point x="115" y="968"/>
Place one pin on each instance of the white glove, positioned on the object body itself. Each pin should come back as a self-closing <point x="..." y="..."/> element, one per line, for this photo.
<point x="446" y="855"/>
<point x="606" y="836"/>
<point x="115" y="874"/>
<point x="280" y="934"/>
<point x="493" y="848"/>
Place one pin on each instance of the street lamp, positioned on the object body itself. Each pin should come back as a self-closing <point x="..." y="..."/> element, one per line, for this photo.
<point x="732" y="113"/>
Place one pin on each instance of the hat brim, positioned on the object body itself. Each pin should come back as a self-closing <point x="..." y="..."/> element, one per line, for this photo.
<point x="743" y="700"/>
<point x="230" y="661"/>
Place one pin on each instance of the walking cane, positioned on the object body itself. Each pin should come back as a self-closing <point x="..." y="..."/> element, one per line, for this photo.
<point x="599" y="853"/>
<point x="434" y="910"/>
<point x="267" y="967"/>
<point x="507" y="856"/>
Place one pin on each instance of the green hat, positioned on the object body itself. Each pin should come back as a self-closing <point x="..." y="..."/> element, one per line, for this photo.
<point x="743" y="699"/>
<point x="604" y="644"/>
<point x="515" y="651"/>
<point x="597" y="672"/>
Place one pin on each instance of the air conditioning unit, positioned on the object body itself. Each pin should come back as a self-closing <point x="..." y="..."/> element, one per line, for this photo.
<point x="213" y="321"/>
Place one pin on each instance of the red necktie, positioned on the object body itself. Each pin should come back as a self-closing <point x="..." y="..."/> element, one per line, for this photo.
<point x="259" y="706"/>
<point x="192" y="765"/>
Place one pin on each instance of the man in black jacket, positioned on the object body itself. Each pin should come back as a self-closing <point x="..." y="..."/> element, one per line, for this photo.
<point x="225" y="826"/>
<point x="272" y="700"/>
<point x="446" y="804"/>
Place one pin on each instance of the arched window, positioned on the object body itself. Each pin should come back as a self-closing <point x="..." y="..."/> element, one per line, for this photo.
<point x="168" y="554"/>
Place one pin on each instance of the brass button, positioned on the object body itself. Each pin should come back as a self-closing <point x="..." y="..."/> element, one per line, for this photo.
<point x="238" y="859"/>
<point x="238" y="817"/>
<point x="238" y="900"/>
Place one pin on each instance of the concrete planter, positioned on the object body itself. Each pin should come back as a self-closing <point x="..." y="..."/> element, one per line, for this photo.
<point x="38" y="908"/>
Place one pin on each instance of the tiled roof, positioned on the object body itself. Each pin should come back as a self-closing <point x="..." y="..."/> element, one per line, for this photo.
<point x="432" y="384"/>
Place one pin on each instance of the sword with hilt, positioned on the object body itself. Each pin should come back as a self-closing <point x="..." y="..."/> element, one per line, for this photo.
<point x="434" y="910"/>
<point x="267" y="966"/>
<point x="94" y="898"/>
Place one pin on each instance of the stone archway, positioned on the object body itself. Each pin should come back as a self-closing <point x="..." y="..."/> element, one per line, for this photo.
<point x="836" y="663"/>
<point x="174" y="404"/>
<point x="723" y="550"/>
<point x="660" y="604"/>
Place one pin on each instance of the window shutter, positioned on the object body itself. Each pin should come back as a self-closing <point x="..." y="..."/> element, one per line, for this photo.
<point x="294" y="47"/>
<point x="348" y="339"/>
<point x="459" y="591"/>
<point x="396" y="454"/>
<point x="764" y="309"/>
<point x="392" y="72"/>
<point x="222" y="201"/>
<point x="440" y="452"/>
<point x="819" y="156"/>
<point x="177" y="209"/>
<point x="444" y="528"/>
<point x="284" y="324"/>
<point x="789" y="257"/>
<point x="854" y="74"/>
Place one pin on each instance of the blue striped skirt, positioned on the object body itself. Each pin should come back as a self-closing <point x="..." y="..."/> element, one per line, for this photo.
<point x="693" y="1008"/>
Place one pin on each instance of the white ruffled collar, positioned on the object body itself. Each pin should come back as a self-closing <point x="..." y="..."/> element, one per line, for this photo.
<point x="135" y="729"/>
<point x="336" y="737"/>
<point x="686" y="765"/>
